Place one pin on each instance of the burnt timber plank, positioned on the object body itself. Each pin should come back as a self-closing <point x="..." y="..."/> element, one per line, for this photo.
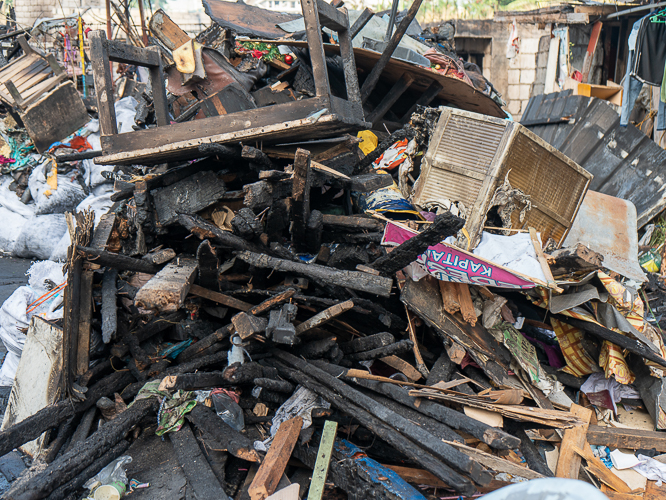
<point x="166" y="291"/>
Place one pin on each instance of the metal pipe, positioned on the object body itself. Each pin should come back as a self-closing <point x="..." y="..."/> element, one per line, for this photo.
<point x="635" y="9"/>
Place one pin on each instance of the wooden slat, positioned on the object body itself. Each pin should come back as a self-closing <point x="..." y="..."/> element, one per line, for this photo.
<point x="568" y="463"/>
<point x="38" y="91"/>
<point x="166" y="291"/>
<point x="268" y="476"/>
<point x="220" y="298"/>
<point x="633" y="439"/>
<point x="603" y="473"/>
<point x="324" y="454"/>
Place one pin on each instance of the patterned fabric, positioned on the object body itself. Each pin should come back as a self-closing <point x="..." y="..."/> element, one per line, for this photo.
<point x="579" y="362"/>
<point x="612" y="361"/>
<point x="173" y="408"/>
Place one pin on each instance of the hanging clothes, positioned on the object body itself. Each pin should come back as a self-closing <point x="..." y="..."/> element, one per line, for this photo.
<point x="648" y="64"/>
<point x="632" y="82"/>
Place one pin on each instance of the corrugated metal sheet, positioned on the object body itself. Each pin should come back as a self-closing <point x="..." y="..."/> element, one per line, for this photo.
<point x="470" y="155"/>
<point x="625" y="163"/>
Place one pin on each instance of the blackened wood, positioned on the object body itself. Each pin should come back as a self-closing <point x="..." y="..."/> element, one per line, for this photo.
<point x="64" y="431"/>
<point x="160" y="257"/>
<point x="116" y="261"/>
<point x="442" y="370"/>
<point x="220" y="150"/>
<point x="225" y="331"/>
<point x="246" y="373"/>
<point x="496" y="438"/>
<point x="360" y="23"/>
<point x="103" y="83"/>
<point x="365" y="183"/>
<point x="368" y="343"/>
<point x="400" y="347"/>
<point x="157" y="325"/>
<point x="233" y="441"/>
<point x="197" y="469"/>
<point x="301" y="186"/>
<point x="208" y="265"/>
<point x="352" y="223"/>
<point x="85" y="155"/>
<point x="274" y="385"/>
<point x="445" y="225"/>
<point x="455" y="459"/>
<point x="84" y="327"/>
<point x="246" y="325"/>
<point x="314" y="231"/>
<point x="532" y="456"/>
<point x="83" y="429"/>
<point x="437" y="429"/>
<point x="64" y="491"/>
<point x="52" y="416"/>
<point x="424" y="99"/>
<point x="74" y="461"/>
<point x="205" y="230"/>
<point x="220" y="298"/>
<point x="188" y="196"/>
<point x="350" y="279"/>
<point x="620" y="340"/>
<point x="380" y="426"/>
<point x="389" y="99"/>
<point x="109" y="307"/>
<point x="70" y="333"/>
<point x="317" y="348"/>
<point x="257" y="157"/>
<point x="372" y="79"/>
<point x="194" y="381"/>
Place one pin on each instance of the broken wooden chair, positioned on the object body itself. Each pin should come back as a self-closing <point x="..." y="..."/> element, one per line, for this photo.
<point x="27" y="85"/>
<point x="318" y="116"/>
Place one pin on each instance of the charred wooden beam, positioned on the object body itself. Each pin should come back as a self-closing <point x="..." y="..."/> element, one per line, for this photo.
<point x="231" y="440"/>
<point x="368" y="343"/>
<point x="199" y="474"/>
<point x="532" y="456"/>
<point x="350" y="279"/>
<point x="381" y="352"/>
<point x="116" y="261"/>
<point x="166" y="291"/>
<point x="225" y="331"/>
<point x="352" y="223"/>
<point x="456" y="460"/>
<point x="301" y="186"/>
<point x="74" y="461"/>
<point x="205" y="230"/>
<point x="52" y="416"/>
<point x="445" y="225"/>
<point x="274" y="385"/>
<point x="258" y="157"/>
<point x="372" y="79"/>
<point x="496" y="438"/>
<point x="64" y="491"/>
<point x="380" y="427"/>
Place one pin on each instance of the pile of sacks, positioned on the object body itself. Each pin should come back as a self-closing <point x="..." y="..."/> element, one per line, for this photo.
<point x="38" y="298"/>
<point x="38" y="229"/>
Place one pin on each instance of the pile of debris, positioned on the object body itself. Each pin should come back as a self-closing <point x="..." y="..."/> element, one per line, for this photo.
<point x="413" y="313"/>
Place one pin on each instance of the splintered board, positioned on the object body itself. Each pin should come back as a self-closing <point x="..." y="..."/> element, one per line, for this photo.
<point x="37" y="380"/>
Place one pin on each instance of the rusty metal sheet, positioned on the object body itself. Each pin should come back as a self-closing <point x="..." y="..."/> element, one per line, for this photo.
<point x="607" y="225"/>
<point x="625" y="162"/>
<point x="246" y="19"/>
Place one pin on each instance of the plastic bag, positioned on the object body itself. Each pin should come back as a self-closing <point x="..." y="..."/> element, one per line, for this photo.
<point x="8" y="369"/>
<point x="228" y="410"/>
<point x="39" y="236"/>
<point x="12" y="223"/>
<point x="113" y="472"/>
<point x="10" y="201"/>
<point x="54" y="200"/>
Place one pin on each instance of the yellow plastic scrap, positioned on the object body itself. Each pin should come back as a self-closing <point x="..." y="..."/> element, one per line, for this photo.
<point x="52" y="178"/>
<point x="369" y="142"/>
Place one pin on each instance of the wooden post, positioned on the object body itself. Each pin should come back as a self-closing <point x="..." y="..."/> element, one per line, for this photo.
<point x="320" y="471"/>
<point x="399" y="88"/>
<point x="268" y="476"/>
<point x="371" y="82"/>
<point x="144" y="32"/>
<point x="591" y="49"/>
<point x="568" y="463"/>
<point x="85" y="316"/>
<point x="301" y="195"/>
<point x="103" y="83"/>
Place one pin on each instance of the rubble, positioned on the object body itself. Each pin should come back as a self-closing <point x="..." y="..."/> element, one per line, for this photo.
<point x="312" y="257"/>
